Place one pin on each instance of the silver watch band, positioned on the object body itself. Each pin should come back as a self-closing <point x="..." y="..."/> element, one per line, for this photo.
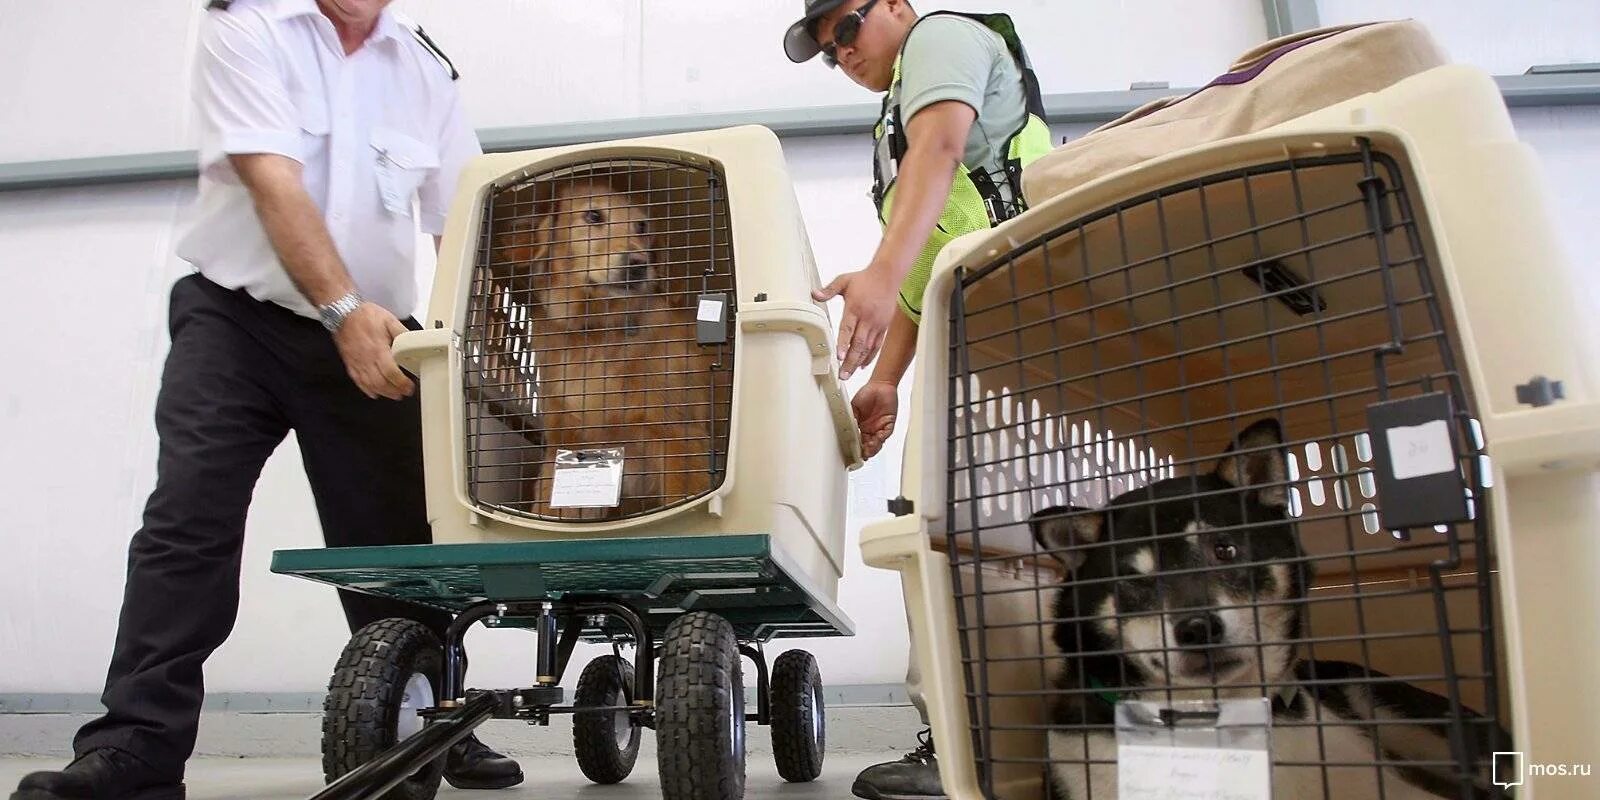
<point x="335" y="313"/>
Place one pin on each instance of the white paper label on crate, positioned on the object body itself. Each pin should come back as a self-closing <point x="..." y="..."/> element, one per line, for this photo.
<point x="710" y="310"/>
<point x="1418" y="450"/>
<point x="590" y="479"/>
<point x="1193" y="773"/>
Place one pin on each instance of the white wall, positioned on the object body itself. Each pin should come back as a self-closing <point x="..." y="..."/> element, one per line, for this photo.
<point x="1568" y="141"/>
<point x="1503" y="37"/>
<point x="529" y="62"/>
<point x="84" y="275"/>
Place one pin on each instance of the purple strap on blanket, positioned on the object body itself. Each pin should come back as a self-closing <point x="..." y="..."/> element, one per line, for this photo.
<point x="1249" y="73"/>
<point x="1245" y="75"/>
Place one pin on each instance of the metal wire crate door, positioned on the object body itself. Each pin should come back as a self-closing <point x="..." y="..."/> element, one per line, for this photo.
<point x="1179" y="392"/>
<point x="599" y="326"/>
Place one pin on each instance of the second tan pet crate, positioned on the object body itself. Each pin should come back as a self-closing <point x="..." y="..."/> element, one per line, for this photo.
<point x="621" y="342"/>
<point x="1301" y="422"/>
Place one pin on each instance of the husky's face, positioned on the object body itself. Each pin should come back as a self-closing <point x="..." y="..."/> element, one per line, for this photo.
<point x="1188" y="582"/>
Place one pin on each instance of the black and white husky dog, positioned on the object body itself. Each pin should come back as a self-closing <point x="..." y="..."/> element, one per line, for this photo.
<point x="1205" y="601"/>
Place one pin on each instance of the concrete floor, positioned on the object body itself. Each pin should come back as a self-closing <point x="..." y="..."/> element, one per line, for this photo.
<point x="548" y="779"/>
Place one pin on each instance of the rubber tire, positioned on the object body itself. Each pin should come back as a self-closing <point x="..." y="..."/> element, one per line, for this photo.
<point x="364" y="696"/>
<point x="796" y="685"/>
<point x="699" y="723"/>
<point x="594" y="736"/>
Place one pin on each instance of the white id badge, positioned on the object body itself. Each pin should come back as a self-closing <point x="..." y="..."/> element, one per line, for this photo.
<point x="587" y="479"/>
<point x="1203" y="750"/>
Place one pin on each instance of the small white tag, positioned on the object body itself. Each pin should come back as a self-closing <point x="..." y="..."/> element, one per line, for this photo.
<point x="710" y="310"/>
<point x="1420" y="450"/>
<point x="584" y="481"/>
<point x="1192" y="773"/>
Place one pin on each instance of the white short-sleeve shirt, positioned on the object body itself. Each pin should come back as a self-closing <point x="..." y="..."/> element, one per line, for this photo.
<point x="380" y="134"/>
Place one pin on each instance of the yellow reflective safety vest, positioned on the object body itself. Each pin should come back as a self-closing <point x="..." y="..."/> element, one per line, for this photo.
<point x="976" y="200"/>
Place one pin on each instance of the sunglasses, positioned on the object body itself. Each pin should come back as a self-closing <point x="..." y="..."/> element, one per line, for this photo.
<point x="845" y="32"/>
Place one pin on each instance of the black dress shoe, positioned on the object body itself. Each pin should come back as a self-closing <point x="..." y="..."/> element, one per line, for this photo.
<point x="472" y="765"/>
<point x="103" y="774"/>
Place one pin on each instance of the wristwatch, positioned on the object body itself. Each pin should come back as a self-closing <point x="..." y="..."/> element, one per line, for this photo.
<point x="335" y="313"/>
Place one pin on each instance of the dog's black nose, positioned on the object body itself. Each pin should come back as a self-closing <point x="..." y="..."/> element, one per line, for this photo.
<point x="1199" y="630"/>
<point x="638" y="267"/>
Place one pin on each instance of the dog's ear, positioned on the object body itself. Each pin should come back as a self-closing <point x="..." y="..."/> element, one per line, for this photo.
<point x="539" y="221"/>
<point x="1063" y="531"/>
<point x="544" y="226"/>
<point x="518" y="253"/>
<point x="1260" y="463"/>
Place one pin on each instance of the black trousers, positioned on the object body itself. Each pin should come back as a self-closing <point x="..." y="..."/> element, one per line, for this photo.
<point x="241" y="374"/>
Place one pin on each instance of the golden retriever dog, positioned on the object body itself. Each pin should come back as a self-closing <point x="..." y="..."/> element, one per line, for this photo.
<point x="613" y="341"/>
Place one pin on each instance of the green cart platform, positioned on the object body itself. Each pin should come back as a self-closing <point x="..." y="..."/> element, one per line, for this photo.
<point x="398" y="699"/>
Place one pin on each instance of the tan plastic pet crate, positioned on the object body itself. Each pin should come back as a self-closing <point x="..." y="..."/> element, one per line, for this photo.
<point x="633" y="435"/>
<point x="642" y="302"/>
<point x="1369" y="304"/>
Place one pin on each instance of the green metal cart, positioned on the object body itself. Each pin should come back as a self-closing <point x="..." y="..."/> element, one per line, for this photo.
<point x="690" y="606"/>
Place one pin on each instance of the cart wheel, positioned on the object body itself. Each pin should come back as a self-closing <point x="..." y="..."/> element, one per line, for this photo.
<point x="607" y="743"/>
<point x="799" y="729"/>
<point x="700" y="711"/>
<point x="388" y="672"/>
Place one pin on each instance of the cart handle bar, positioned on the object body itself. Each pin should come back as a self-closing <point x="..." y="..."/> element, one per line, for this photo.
<point x="403" y="760"/>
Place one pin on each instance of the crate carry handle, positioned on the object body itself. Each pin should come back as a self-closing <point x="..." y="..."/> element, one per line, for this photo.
<point x="806" y="319"/>
<point x="414" y="348"/>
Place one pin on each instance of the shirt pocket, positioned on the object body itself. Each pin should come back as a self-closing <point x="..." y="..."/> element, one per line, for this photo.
<point x="403" y="164"/>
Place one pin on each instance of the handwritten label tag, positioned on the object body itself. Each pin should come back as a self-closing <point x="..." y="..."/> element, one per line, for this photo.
<point x="1192" y="773"/>
<point x="1419" y="450"/>
<point x="710" y="310"/>
<point x="587" y="479"/>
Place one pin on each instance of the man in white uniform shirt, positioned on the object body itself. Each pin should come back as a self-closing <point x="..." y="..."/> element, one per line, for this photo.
<point x="331" y="131"/>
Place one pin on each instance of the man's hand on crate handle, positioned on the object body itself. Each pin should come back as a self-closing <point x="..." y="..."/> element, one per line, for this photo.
<point x="366" y="341"/>
<point x="875" y="405"/>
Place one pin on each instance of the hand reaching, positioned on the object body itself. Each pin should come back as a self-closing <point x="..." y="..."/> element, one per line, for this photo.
<point x="869" y="308"/>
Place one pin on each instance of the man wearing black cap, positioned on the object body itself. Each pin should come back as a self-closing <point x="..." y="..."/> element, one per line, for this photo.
<point x="962" y="115"/>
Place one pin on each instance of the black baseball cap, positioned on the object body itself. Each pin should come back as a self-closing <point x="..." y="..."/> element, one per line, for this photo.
<point x="799" y="43"/>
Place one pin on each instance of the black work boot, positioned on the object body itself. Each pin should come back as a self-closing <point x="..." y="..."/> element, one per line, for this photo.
<point x="914" y="777"/>
<point x="472" y="765"/>
<point x="103" y="774"/>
